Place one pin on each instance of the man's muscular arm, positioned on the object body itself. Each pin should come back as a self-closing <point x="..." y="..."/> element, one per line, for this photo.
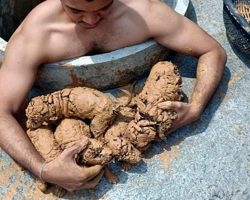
<point x="17" y="75"/>
<point x="26" y="50"/>
<point x="180" y="34"/>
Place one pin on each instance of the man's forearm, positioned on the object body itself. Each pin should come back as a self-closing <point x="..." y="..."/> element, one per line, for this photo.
<point x="209" y="72"/>
<point x="14" y="141"/>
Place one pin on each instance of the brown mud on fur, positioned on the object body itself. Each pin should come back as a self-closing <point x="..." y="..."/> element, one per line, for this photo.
<point x="116" y="130"/>
<point x="45" y="143"/>
<point x="125" y="94"/>
<point x="151" y="122"/>
<point x="70" y="131"/>
<point x="80" y="102"/>
<point x="50" y="145"/>
<point x="122" y="148"/>
<point x="115" y="138"/>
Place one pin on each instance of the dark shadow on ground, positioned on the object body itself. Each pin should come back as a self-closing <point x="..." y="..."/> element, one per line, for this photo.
<point x="191" y="14"/>
<point x="244" y="58"/>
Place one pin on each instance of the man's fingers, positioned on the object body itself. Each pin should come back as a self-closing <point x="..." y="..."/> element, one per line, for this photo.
<point x="90" y="178"/>
<point x="174" y="127"/>
<point x="171" y="105"/>
<point x="91" y="172"/>
<point x="166" y="105"/>
<point x="77" y="148"/>
<point x="84" y="143"/>
<point x="92" y="183"/>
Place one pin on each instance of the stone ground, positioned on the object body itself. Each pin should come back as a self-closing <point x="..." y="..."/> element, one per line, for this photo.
<point x="209" y="159"/>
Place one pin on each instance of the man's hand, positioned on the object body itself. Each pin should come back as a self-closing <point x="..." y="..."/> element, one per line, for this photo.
<point x="64" y="171"/>
<point x="186" y="113"/>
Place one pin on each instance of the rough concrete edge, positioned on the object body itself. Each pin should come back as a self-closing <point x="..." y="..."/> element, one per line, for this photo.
<point x="3" y="45"/>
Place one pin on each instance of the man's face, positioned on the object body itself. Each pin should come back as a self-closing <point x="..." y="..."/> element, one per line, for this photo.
<point x="88" y="14"/>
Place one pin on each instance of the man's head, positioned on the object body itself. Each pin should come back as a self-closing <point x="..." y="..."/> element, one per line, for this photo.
<point x="88" y="13"/>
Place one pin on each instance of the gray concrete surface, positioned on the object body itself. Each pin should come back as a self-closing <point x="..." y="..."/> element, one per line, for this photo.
<point x="209" y="159"/>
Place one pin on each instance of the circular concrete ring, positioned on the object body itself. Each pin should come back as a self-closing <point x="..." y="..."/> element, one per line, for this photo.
<point x="107" y="70"/>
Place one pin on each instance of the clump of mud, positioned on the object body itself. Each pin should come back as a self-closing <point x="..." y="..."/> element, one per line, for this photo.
<point x="111" y="131"/>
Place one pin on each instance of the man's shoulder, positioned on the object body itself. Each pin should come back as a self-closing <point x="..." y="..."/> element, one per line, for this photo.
<point x="41" y="17"/>
<point x="35" y="28"/>
<point x="148" y="9"/>
<point x="140" y="5"/>
<point x="143" y="3"/>
<point x="156" y="14"/>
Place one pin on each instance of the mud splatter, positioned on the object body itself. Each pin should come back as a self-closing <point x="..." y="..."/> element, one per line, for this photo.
<point x="167" y="157"/>
<point x="10" y="170"/>
<point x="76" y="81"/>
<point x="125" y="94"/>
<point x="66" y="65"/>
<point x="236" y="77"/>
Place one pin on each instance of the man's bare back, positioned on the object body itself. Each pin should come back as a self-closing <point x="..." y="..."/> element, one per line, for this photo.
<point x="57" y="30"/>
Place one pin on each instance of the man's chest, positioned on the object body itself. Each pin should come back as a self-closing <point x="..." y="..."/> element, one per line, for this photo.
<point x="107" y="40"/>
<point x="76" y="43"/>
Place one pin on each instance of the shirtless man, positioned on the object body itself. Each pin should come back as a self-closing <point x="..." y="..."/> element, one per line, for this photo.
<point x="56" y="30"/>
